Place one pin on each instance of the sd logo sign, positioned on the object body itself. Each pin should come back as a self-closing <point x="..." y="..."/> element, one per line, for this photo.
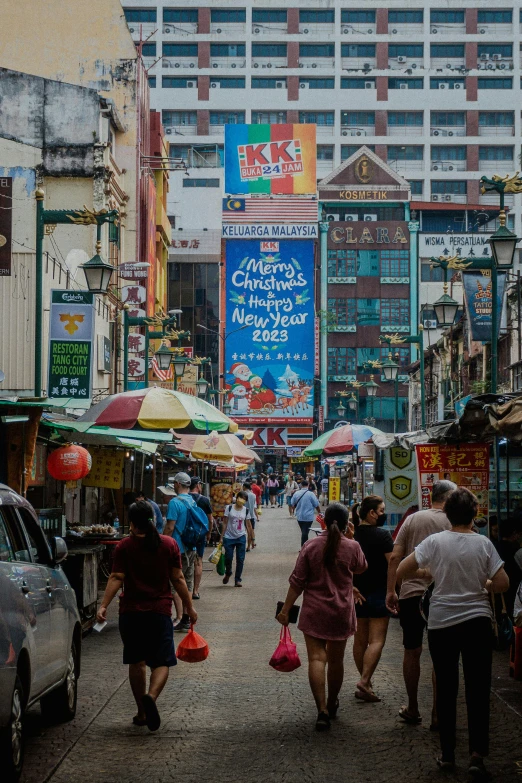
<point x="401" y="458"/>
<point x="400" y="487"/>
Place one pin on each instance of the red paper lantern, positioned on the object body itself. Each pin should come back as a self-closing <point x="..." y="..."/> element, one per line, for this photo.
<point x="69" y="463"/>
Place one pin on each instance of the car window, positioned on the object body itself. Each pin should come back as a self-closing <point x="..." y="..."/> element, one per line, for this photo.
<point x="20" y="551"/>
<point x="39" y="549"/>
<point x="6" y="550"/>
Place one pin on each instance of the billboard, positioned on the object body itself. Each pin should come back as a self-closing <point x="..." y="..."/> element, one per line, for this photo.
<point x="270" y="159"/>
<point x="270" y="339"/>
<point x="71" y="337"/>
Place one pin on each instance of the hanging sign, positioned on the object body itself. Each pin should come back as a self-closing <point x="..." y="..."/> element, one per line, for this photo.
<point x="133" y="294"/>
<point x="71" y="338"/>
<point x="134" y="271"/>
<point x="479" y="302"/>
<point x="334" y="489"/>
<point x="6" y="224"/>
<point x="466" y="465"/>
<point x="106" y="470"/>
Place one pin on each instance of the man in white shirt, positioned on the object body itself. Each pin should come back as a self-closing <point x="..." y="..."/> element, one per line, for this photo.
<point x="415" y="529"/>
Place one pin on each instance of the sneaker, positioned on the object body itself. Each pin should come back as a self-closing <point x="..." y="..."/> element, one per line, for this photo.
<point x="183" y="627"/>
<point x="238" y="584"/>
<point x="226" y="579"/>
<point x="477" y="770"/>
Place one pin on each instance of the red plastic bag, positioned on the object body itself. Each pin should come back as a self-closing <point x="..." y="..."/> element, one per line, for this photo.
<point x="285" y="658"/>
<point x="193" y="648"/>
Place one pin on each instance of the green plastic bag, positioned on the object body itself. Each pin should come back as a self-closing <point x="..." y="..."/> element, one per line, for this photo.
<point x="220" y="568"/>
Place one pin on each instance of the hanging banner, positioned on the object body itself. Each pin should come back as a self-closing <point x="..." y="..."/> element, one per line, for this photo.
<point x="270" y="159"/>
<point x="106" y="470"/>
<point x="399" y="485"/>
<point x="479" y="302"/>
<point x="270" y="326"/>
<point x="6" y="225"/>
<point x="467" y="465"/>
<point x="71" y="336"/>
<point x="334" y="489"/>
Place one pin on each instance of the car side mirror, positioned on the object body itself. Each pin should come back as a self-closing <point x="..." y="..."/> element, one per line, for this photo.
<point x="59" y="549"/>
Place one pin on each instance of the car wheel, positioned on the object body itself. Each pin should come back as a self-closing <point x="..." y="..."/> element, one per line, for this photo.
<point x="12" y="737"/>
<point x="59" y="706"/>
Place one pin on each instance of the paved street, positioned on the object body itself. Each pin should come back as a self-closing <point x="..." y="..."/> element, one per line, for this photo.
<point x="232" y="718"/>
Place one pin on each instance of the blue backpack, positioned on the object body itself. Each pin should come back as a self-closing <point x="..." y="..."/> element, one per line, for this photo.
<point x="196" y="525"/>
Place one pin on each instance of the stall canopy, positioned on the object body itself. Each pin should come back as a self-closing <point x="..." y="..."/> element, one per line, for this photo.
<point x="93" y="435"/>
<point x="340" y="440"/>
<point x="216" y="446"/>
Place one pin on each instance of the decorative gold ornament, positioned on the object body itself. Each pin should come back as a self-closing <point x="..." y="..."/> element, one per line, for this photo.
<point x="364" y="170"/>
<point x="86" y="216"/>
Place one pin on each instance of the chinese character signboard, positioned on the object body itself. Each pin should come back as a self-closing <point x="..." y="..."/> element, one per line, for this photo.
<point x="6" y="224"/>
<point x="270" y="361"/>
<point x="467" y="465"/>
<point x="106" y="470"/>
<point x="334" y="489"/>
<point x="479" y="302"/>
<point x="71" y="337"/>
<point x="270" y="159"/>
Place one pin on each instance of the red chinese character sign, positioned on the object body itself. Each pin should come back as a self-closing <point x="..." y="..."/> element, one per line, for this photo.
<point x="467" y="465"/>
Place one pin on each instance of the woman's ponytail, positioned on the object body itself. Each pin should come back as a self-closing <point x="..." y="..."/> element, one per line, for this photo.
<point x="336" y="520"/>
<point x="141" y="514"/>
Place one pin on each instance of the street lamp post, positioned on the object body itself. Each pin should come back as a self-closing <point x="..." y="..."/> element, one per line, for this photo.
<point x="224" y="338"/>
<point x="157" y="334"/>
<point x="390" y="370"/>
<point x="415" y="339"/>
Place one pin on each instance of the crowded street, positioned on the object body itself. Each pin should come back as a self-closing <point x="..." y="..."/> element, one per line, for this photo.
<point x="234" y="718"/>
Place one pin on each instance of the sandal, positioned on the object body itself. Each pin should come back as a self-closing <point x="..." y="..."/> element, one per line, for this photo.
<point x="153" y="721"/>
<point x="196" y="596"/>
<point x="332" y="711"/>
<point x="323" y="722"/>
<point x="368" y="696"/>
<point x="413" y="720"/>
<point x="139" y="721"/>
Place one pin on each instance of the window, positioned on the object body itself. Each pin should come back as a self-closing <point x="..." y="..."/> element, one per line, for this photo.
<point x="37" y="541"/>
<point x="233" y="15"/>
<point x="344" y="311"/>
<point x="496" y="153"/>
<point x="230" y="83"/>
<point x="268" y="50"/>
<point x="395" y="263"/>
<point x="367" y="355"/>
<point x="318" y="84"/>
<point x="152" y="81"/>
<point x="368" y="263"/>
<point x="341" y="361"/>
<point x="180" y="15"/>
<point x="411" y="84"/>
<point x="444" y="16"/>
<point x="458" y="188"/>
<point x="355" y="83"/>
<point x="494" y="84"/>
<point x="227" y="50"/>
<point x="316" y="50"/>
<point x="267" y="84"/>
<point x="410" y="51"/>
<point x="325" y="152"/>
<point x="501" y="16"/>
<point x="395" y="312"/>
<point x="149" y="50"/>
<point x="429" y="274"/>
<point x="416" y="186"/>
<point x="178" y="82"/>
<point x="404" y="354"/>
<point x="412" y="118"/>
<point x="357" y="50"/>
<point x="169" y="117"/>
<point x="201" y="183"/>
<point x="496" y="118"/>
<point x="449" y="52"/>
<point x="396" y="152"/>
<point x="316" y="17"/>
<point x="140" y="14"/>
<point x="180" y="50"/>
<point x="448" y="119"/>
<point x="504" y="50"/>
<point x="6" y="550"/>
<point x="317" y="117"/>
<point x="357" y="118"/>
<point x="347" y="150"/>
<point x="448" y="153"/>
<point x="260" y="15"/>
<point x="227" y="117"/>
<point x="268" y="117"/>
<point x="405" y="17"/>
<point x="357" y="17"/>
<point x="449" y="84"/>
<point x="368" y="312"/>
<point x="341" y="263"/>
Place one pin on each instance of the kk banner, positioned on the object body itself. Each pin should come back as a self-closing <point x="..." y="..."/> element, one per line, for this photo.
<point x="270" y="330"/>
<point x="71" y="336"/>
<point x="467" y="465"/>
<point x="399" y="486"/>
<point x="479" y="302"/>
<point x="270" y="159"/>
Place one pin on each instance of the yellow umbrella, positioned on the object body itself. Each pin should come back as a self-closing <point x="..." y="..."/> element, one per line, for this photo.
<point x="216" y="446"/>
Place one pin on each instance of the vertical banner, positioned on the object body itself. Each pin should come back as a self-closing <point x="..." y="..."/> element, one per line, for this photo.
<point x="467" y="465"/>
<point x="399" y="485"/>
<point x="334" y="489"/>
<point x="269" y="358"/>
<point x="6" y="225"/>
<point x="270" y="159"/>
<point x="479" y="302"/>
<point x="71" y="336"/>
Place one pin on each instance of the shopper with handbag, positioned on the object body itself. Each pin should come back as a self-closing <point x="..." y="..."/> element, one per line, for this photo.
<point x="465" y="567"/>
<point x="305" y="503"/>
<point x="324" y="574"/>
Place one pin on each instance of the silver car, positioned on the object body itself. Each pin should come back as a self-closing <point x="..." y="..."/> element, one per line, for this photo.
<point x="40" y="631"/>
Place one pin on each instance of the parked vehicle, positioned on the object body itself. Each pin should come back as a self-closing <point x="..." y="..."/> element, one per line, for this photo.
<point x="40" y="631"/>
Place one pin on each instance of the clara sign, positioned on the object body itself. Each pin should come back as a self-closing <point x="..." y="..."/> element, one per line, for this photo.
<point x="71" y="337"/>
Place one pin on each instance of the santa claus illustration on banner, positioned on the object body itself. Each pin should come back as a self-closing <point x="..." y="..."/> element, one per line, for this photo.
<point x="246" y="392"/>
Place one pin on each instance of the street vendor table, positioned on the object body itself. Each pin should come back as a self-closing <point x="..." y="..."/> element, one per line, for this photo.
<point x="81" y="569"/>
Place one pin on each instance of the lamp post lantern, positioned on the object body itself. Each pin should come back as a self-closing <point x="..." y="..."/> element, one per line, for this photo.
<point x="164" y="357"/>
<point x="202" y="386"/>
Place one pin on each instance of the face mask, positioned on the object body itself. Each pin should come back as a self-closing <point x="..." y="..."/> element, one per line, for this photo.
<point x="240" y="502"/>
<point x="381" y="519"/>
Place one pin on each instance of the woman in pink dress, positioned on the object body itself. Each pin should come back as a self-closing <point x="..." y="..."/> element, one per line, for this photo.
<point x="324" y="574"/>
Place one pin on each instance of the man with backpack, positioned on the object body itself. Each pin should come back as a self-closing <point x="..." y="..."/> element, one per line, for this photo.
<point x="188" y="525"/>
<point x="305" y="504"/>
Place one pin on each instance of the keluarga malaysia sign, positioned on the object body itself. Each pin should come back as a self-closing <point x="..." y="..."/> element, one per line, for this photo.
<point x="71" y="337"/>
<point x="270" y="231"/>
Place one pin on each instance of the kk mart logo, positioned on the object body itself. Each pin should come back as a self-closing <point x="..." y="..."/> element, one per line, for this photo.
<point x="270" y="159"/>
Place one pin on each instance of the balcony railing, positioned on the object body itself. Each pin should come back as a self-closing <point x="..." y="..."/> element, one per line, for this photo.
<point x="269" y="62"/>
<point x="496" y="165"/>
<point x="448" y="63"/>
<point x="172" y="64"/>
<point x="405" y="130"/>
<point x="456" y="130"/>
<point x="358" y="63"/>
<point x="496" y="130"/>
<point x="448" y="165"/>
<point x="227" y="62"/>
<point x="317" y="62"/>
<point x="357" y="130"/>
<point x="180" y="28"/>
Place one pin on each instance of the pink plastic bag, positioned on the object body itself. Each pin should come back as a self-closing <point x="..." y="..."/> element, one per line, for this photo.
<point x="285" y="658"/>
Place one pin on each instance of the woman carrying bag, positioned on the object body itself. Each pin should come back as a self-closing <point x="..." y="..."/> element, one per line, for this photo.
<point x="236" y="527"/>
<point x="324" y="574"/>
<point x="465" y="567"/>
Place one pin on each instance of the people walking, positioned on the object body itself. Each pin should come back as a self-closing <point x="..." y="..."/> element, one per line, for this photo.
<point x="145" y="564"/>
<point x="158" y="516"/>
<point x="280" y="491"/>
<point x="324" y="491"/>
<point x="305" y="503"/>
<point x="251" y="514"/>
<point x="465" y="567"/>
<point x="264" y="490"/>
<point x="196" y="487"/>
<point x="372" y="614"/>
<point x="415" y="529"/>
<point x="235" y="529"/>
<point x="256" y="489"/>
<point x="324" y="574"/>
<point x="291" y="487"/>
<point x="273" y="488"/>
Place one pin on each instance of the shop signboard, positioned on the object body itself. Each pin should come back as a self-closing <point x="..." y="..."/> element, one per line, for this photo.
<point x="71" y="336"/>
<point x="270" y="326"/>
<point x="466" y="464"/>
<point x="445" y="245"/>
<point x="270" y="159"/>
<point x="270" y="231"/>
<point x="104" y="354"/>
<point x="6" y="224"/>
<point x="399" y="484"/>
<point x="334" y="489"/>
<point x="479" y="302"/>
<point x="107" y="468"/>
<point x="293" y="451"/>
<point x="137" y="270"/>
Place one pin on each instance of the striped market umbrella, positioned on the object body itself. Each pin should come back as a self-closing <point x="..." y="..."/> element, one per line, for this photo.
<point x="156" y="408"/>
<point x="340" y="440"/>
<point x="223" y="447"/>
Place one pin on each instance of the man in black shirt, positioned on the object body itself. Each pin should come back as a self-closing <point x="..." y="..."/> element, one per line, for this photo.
<point x="204" y="503"/>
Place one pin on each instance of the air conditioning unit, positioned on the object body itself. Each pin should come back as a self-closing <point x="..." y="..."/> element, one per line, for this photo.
<point x="344" y="133"/>
<point x="482" y="30"/>
<point x="484" y="57"/>
<point x="269" y="65"/>
<point x="333" y="217"/>
<point x="450" y="167"/>
<point x="403" y="86"/>
<point x="436" y="132"/>
<point x="306" y="31"/>
<point x="496" y="56"/>
<point x="502" y="66"/>
<point x="256" y="65"/>
<point x="436" y="166"/>
<point x="435" y="197"/>
<point x="166" y="29"/>
<point x="414" y="65"/>
<point x="449" y="67"/>
<point x="394" y="31"/>
<point x="168" y="131"/>
<point x="233" y="65"/>
<point x="369" y="217"/>
<point x="447" y="197"/>
<point x="457" y="86"/>
<point x="191" y="84"/>
<point x="303" y="85"/>
<point x="449" y="133"/>
<point x="219" y="30"/>
<point x="402" y="59"/>
<point x="444" y="86"/>
<point x="132" y="30"/>
<point x="351" y="218"/>
<point x="256" y="30"/>
<point x="280" y="85"/>
<point x="345" y="30"/>
<point x="369" y="85"/>
<point x="490" y="67"/>
<point x="214" y="65"/>
<point x="215" y="85"/>
<point x="430" y="324"/>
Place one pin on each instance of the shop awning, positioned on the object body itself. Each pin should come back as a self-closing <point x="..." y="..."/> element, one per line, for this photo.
<point x="94" y="435"/>
<point x="71" y="403"/>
